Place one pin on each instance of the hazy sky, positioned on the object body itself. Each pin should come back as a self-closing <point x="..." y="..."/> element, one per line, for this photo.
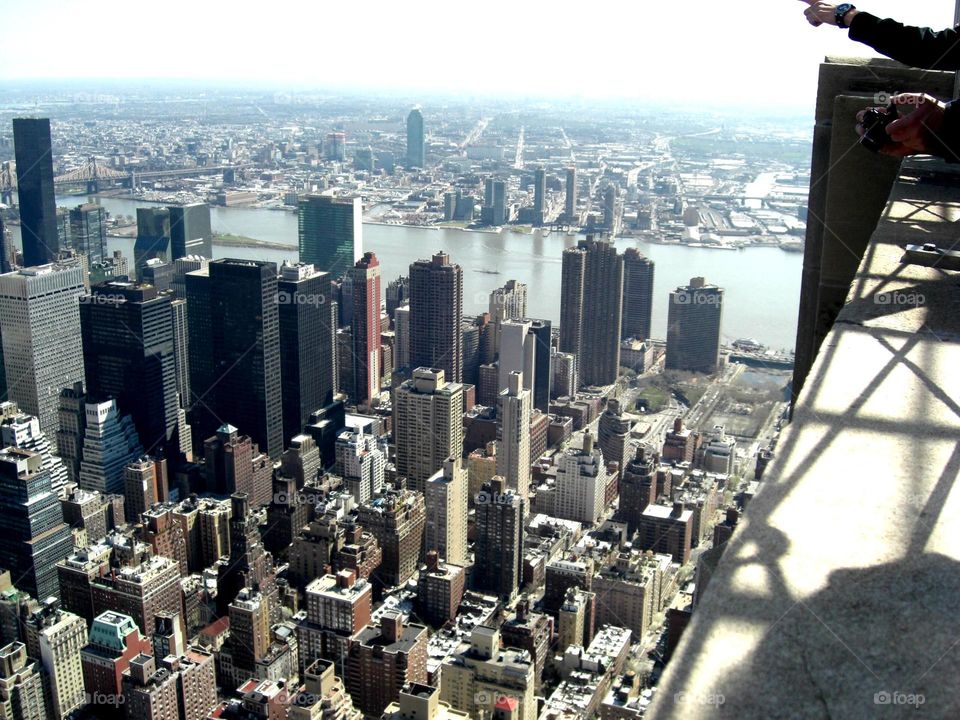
<point x="752" y="53"/>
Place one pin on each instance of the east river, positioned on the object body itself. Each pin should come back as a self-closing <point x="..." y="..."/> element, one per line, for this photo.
<point x="762" y="284"/>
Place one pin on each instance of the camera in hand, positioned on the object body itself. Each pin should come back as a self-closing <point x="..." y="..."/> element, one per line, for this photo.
<point x="875" y="122"/>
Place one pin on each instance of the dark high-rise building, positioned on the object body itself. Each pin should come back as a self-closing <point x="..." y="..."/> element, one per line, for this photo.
<point x="365" y="282"/>
<point x="7" y="251"/>
<point x="397" y="294"/>
<point x="638" y="488"/>
<point x="498" y="568"/>
<point x="307" y="330"/>
<point x="591" y="299"/>
<point x="570" y="206"/>
<point x="416" y="156"/>
<point x="637" y="295"/>
<point x="33" y="536"/>
<point x="128" y="355"/>
<point x="540" y="332"/>
<point x="235" y="350"/>
<point x="38" y="206"/>
<point x="200" y="400"/>
<point x="693" y="327"/>
<point x="190" y="232"/>
<point x="331" y="232"/>
<point x="153" y="236"/>
<point x="539" y="195"/>
<point x="158" y="273"/>
<point x="436" y="311"/>
<point x="88" y="232"/>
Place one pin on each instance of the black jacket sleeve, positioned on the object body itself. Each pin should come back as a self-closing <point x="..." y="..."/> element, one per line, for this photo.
<point x="914" y="46"/>
<point x="946" y="143"/>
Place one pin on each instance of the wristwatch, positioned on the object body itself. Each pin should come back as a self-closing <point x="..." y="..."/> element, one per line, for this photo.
<point x="841" y="12"/>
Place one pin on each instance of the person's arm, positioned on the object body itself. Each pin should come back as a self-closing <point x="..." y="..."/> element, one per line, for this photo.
<point x="915" y="46"/>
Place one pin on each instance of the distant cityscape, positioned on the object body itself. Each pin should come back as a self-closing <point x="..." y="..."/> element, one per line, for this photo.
<point x="246" y="479"/>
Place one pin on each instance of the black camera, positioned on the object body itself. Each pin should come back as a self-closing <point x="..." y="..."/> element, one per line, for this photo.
<point x="875" y="122"/>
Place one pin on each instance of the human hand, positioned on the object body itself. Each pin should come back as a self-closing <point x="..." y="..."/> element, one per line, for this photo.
<point x="916" y="133"/>
<point x="819" y="13"/>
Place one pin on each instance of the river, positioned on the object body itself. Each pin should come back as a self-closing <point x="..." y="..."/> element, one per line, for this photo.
<point x="762" y="283"/>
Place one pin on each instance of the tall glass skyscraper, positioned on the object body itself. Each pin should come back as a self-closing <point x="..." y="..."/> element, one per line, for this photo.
<point x="331" y="232"/>
<point x="416" y="155"/>
<point x="128" y="355"/>
<point x="33" y="536"/>
<point x="244" y="344"/>
<point x="38" y="207"/>
<point x="190" y="232"/>
<point x="307" y="329"/>
<point x="88" y="232"/>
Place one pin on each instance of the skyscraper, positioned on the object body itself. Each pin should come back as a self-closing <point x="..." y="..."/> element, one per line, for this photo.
<point x="610" y="208"/>
<point x="507" y="303"/>
<point x="42" y="349"/>
<point x="428" y="424"/>
<point x="33" y="536"/>
<point x="128" y="355"/>
<point x="60" y="636"/>
<point x="88" y="232"/>
<point x="581" y="483"/>
<point x="110" y="443"/>
<point x="494" y="209"/>
<point x="361" y="462"/>
<point x="365" y="277"/>
<point x="38" y="207"/>
<point x="331" y="232"/>
<point x="591" y="299"/>
<point x="637" y="295"/>
<point x="307" y="328"/>
<point x="570" y="205"/>
<point x="153" y="236"/>
<point x="513" y="435"/>
<point x="498" y="563"/>
<point x="539" y="195"/>
<point x="244" y="345"/>
<point x="541" y="332"/>
<point x="445" y="496"/>
<point x="22" y="695"/>
<point x="436" y="311"/>
<point x="416" y="156"/>
<point x="190" y="232"/>
<point x="694" y="317"/>
<point x="23" y="431"/>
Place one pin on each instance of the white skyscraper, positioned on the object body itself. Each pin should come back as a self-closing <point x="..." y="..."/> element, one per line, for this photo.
<point x="446" y="501"/>
<point x="428" y="425"/>
<point x="507" y="303"/>
<point x="23" y="431"/>
<point x="517" y="352"/>
<point x="42" y="348"/>
<point x="513" y="434"/>
<point x="361" y="462"/>
<point x="581" y="483"/>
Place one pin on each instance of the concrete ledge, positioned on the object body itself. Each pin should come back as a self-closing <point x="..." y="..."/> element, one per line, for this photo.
<point x="840" y="590"/>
